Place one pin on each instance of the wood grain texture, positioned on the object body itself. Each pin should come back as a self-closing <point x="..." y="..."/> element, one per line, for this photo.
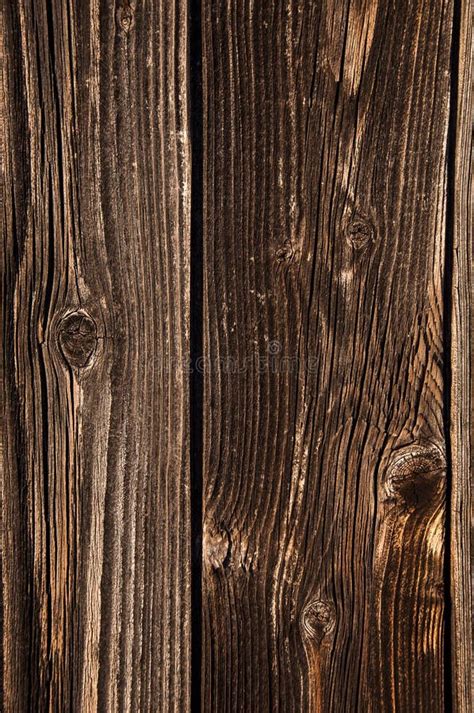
<point x="325" y="185"/>
<point x="462" y="384"/>
<point x="332" y="208"/>
<point x="96" y="507"/>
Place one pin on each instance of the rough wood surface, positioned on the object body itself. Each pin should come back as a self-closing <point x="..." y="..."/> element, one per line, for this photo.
<point x="325" y="184"/>
<point x="462" y="382"/>
<point x="278" y="191"/>
<point x="96" y="535"/>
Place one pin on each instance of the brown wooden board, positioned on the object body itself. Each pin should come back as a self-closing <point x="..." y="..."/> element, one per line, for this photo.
<point x="96" y="569"/>
<point x="325" y="184"/>
<point x="237" y="356"/>
<point x="461" y="401"/>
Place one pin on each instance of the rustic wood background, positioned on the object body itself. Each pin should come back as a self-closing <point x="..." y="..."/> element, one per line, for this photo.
<point x="237" y="356"/>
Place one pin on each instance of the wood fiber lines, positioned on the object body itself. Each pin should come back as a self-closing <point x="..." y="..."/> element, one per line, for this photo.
<point x="325" y="150"/>
<point x="237" y="356"/>
<point x="96" y="501"/>
<point x="461" y="400"/>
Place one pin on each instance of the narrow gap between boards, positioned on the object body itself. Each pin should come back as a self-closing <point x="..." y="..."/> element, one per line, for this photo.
<point x="447" y="340"/>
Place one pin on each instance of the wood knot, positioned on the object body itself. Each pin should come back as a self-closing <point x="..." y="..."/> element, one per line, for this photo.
<point x="359" y="232"/>
<point x="416" y="474"/>
<point x="77" y="338"/>
<point x="285" y="253"/>
<point x="126" y="17"/>
<point x="217" y="546"/>
<point x="317" y="620"/>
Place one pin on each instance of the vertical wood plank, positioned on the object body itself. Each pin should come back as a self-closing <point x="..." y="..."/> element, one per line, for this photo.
<point x="462" y="400"/>
<point x="96" y="541"/>
<point x="325" y="135"/>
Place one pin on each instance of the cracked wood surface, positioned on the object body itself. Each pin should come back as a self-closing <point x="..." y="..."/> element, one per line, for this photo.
<point x="333" y="433"/>
<point x="325" y="188"/>
<point x="96" y="575"/>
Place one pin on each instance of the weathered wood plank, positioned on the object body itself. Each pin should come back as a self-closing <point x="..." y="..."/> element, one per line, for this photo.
<point x="462" y="360"/>
<point x="325" y="149"/>
<point x="96" y="570"/>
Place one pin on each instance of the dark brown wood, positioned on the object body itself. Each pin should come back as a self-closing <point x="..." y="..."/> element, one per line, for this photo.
<point x="96" y="507"/>
<point x="325" y="184"/>
<point x="462" y="381"/>
<point x="325" y="434"/>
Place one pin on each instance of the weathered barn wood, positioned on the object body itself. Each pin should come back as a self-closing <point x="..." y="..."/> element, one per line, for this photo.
<point x="96" y="505"/>
<point x="461" y="400"/>
<point x="277" y="191"/>
<point x="325" y="185"/>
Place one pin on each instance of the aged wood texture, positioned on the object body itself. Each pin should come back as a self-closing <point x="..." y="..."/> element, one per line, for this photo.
<point x="462" y="360"/>
<point x="324" y="478"/>
<point x="309" y="246"/>
<point x="96" y="506"/>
